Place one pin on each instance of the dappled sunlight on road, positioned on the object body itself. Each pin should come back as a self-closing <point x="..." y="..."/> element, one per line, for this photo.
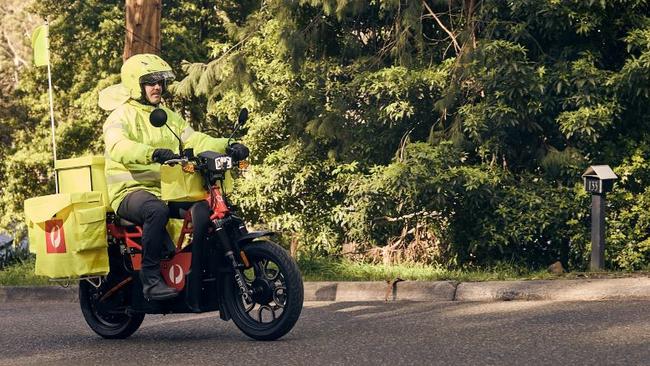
<point x="176" y="318"/>
<point x="486" y="308"/>
<point x="357" y="308"/>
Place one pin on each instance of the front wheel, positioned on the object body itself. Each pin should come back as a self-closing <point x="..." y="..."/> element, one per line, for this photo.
<point x="106" y="313"/>
<point x="275" y="304"/>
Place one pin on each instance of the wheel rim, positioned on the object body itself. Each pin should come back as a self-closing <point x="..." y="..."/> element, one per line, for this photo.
<point x="265" y="306"/>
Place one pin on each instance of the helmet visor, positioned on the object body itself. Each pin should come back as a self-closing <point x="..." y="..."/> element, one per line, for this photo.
<point x="157" y="77"/>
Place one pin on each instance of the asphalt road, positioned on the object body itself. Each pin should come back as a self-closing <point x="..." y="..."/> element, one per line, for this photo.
<point x="348" y="333"/>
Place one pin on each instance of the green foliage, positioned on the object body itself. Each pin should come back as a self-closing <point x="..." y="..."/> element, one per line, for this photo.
<point x="628" y="235"/>
<point x="289" y="193"/>
<point x="21" y="274"/>
<point x="431" y="131"/>
<point x="537" y="222"/>
<point x="428" y="186"/>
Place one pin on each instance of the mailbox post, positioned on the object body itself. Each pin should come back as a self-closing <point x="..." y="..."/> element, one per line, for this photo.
<point x="598" y="180"/>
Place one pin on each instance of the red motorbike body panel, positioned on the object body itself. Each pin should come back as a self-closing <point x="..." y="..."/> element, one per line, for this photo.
<point x="175" y="270"/>
<point x="121" y="232"/>
<point x="218" y="204"/>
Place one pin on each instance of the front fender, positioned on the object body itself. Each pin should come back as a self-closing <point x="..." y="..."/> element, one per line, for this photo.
<point x="254" y="235"/>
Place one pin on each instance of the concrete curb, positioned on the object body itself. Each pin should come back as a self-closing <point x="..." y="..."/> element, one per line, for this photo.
<point x="557" y="290"/>
<point x="369" y="291"/>
<point x="636" y="288"/>
<point x="38" y="293"/>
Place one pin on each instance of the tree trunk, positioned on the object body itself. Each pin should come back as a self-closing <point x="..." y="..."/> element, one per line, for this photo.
<point x="142" y="27"/>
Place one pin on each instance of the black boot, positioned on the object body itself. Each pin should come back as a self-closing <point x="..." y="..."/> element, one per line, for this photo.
<point x="154" y="287"/>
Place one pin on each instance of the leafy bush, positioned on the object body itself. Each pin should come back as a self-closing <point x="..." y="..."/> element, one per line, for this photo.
<point x="375" y="132"/>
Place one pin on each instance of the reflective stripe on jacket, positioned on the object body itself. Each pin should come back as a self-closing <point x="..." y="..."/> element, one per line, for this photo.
<point x="130" y="140"/>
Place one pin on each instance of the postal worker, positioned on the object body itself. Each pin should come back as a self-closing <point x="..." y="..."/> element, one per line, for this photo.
<point x="134" y="151"/>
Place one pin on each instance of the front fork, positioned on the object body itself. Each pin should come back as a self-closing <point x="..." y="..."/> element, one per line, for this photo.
<point x="244" y="289"/>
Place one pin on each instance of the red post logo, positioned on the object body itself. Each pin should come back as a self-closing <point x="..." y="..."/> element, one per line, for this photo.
<point x="176" y="274"/>
<point x="54" y="236"/>
<point x="175" y="270"/>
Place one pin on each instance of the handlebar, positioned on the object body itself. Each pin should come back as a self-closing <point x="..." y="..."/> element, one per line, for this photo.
<point x="173" y="162"/>
<point x="209" y="161"/>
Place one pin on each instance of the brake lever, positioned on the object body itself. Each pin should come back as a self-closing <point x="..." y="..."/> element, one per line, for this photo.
<point x="172" y="162"/>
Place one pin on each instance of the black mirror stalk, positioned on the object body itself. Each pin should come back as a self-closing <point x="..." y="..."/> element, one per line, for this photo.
<point x="180" y="142"/>
<point x="158" y="118"/>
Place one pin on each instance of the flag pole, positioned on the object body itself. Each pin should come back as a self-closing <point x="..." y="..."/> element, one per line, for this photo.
<point x="49" y="82"/>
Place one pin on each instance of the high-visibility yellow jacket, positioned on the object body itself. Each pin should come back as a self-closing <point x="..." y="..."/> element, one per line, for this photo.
<point x="130" y="141"/>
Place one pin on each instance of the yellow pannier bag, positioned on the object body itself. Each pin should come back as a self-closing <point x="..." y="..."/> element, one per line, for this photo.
<point x="67" y="231"/>
<point x="177" y="185"/>
<point x="82" y="174"/>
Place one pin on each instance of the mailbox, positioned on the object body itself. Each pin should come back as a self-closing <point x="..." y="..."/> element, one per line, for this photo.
<point x="599" y="179"/>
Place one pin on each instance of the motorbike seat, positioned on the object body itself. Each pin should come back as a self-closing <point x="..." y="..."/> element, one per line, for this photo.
<point x="125" y="222"/>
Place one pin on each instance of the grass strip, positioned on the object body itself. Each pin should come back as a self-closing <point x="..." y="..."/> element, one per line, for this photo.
<point x="327" y="269"/>
<point x="21" y="273"/>
<point x="323" y="269"/>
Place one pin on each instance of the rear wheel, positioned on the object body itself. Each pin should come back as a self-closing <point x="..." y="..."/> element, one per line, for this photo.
<point x="275" y="304"/>
<point x="107" y="314"/>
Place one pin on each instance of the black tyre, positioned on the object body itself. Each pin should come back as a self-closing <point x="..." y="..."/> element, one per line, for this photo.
<point x="275" y="305"/>
<point x="108" y="317"/>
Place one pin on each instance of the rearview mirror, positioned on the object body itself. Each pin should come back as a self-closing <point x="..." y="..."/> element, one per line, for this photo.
<point x="243" y="116"/>
<point x="158" y="117"/>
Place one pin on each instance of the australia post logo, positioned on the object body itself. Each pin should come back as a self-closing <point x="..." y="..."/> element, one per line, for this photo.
<point x="176" y="269"/>
<point x="54" y="236"/>
<point x="176" y="274"/>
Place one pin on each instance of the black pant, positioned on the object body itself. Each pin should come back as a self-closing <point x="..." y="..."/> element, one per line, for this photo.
<point x="145" y="209"/>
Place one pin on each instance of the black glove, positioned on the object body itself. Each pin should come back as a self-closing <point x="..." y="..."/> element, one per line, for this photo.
<point x="162" y="155"/>
<point x="237" y="151"/>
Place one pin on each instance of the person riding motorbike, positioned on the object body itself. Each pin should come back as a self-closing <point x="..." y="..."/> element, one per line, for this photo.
<point x="134" y="151"/>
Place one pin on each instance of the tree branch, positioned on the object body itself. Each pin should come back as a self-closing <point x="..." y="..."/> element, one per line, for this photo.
<point x="471" y="22"/>
<point x="16" y="57"/>
<point x="408" y="216"/>
<point x="451" y="35"/>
